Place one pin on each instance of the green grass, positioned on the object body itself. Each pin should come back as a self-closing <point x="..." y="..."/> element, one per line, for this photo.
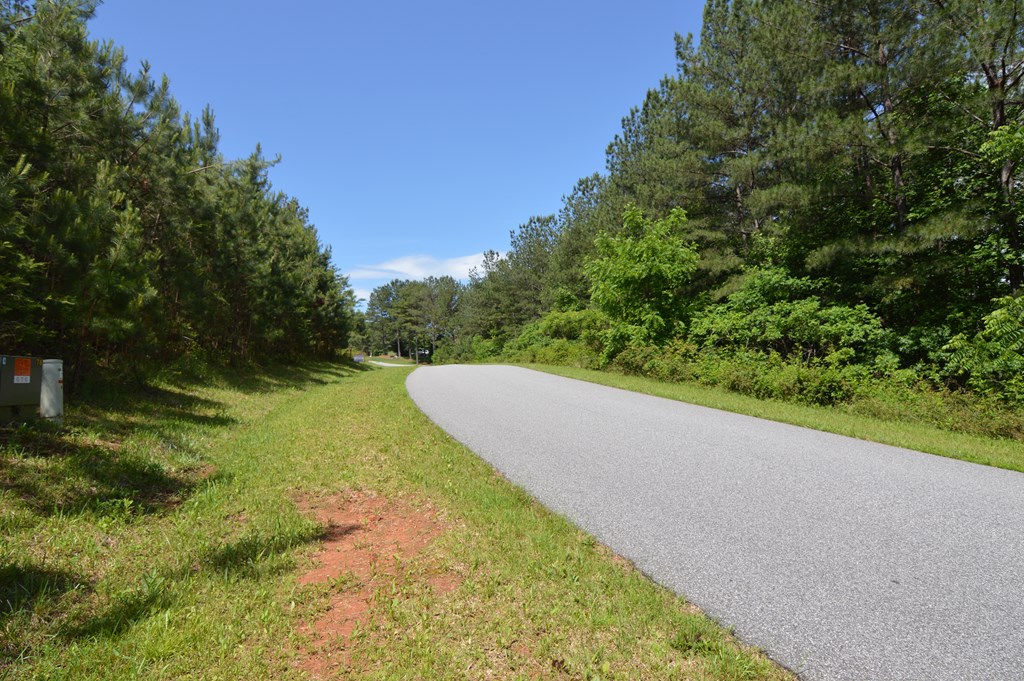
<point x="157" y="537"/>
<point x="1001" y="453"/>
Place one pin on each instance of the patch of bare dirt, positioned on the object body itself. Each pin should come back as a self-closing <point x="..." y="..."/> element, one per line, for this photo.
<point x="366" y="542"/>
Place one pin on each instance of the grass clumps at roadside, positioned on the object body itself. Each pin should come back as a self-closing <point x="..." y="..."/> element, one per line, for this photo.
<point x="159" y="536"/>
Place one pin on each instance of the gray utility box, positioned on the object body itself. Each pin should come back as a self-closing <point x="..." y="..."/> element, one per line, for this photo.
<point x="21" y="381"/>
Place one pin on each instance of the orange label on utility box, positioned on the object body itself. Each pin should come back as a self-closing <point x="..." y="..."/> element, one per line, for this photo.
<point x="22" y="369"/>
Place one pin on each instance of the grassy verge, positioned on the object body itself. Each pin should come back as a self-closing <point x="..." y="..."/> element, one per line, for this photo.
<point x="1001" y="453"/>
<point x="158" y="537"/>
<point x="394" y="361"/>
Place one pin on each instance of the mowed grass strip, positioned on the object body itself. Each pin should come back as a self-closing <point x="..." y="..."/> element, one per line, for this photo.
<point x="988" y="451"/>
<point x="159" y="537"/>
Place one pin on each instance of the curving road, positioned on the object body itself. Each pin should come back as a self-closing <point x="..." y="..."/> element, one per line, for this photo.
<point x="842" y="559"/>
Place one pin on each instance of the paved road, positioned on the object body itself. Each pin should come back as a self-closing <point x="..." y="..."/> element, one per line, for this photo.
<point x="843" y="559"/>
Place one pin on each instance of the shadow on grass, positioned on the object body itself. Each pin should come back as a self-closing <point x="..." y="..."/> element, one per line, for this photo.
<point x="127" y="451"/>
<point x="120" y="617"/>
<point x="251" y="556"/>
<point x="126" y="611"/>
<point x="86" y="468"/>
<point x="114" y="405"/>
<point x="23" y="586"/>
<point x="50" y="474"/>
<point x="278" y="376"/>
<point x="119" y="411"/>
<point x="256" y="554"/>
<point x="27" y="591"/>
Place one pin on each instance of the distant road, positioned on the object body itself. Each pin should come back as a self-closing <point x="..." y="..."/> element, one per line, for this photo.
<point x="843" y="559"/>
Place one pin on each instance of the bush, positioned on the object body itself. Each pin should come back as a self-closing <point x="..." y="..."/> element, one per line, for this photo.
<point x="992" y="363"/>
<point x="557" y="351"/>
<point x="571" y="338"/>
<point x="921" y="402"/>
<point x="636" y="277"/>
<point x="530" y="337"/>
<point x="473" y="349"/>
<point x="761" y="375"/>
<point x="759" y="316"/>
<point x="586" y="325"/>
<point x="896" y="395"/>
<point x="673" y="362"/>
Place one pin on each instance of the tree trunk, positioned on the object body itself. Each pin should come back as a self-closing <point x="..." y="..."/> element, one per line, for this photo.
<point x="1008" y="222"/>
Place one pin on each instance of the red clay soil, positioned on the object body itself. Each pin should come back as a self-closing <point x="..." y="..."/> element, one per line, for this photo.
<point x="367" y="537"/>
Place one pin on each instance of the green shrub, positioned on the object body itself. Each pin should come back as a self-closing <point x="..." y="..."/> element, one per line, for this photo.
<point x="531" y="336"/>
<point x="899" y="395"/>
<point x="894" y="399"/>
<point x="636" y="277"/>
<point x="567" y="353"/>
<point x="473" y="349"/>
<point x="992" y="363"/>
<point x="571" y="338"/>
<point x="585" y="325"/>
<point x="761" y="375"/>
<point x="760" y="316"/>
<point x="673" y="362"/>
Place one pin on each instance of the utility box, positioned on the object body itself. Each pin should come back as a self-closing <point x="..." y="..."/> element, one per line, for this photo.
<point x="51" y="396"/>
<point x="21" y="381"/>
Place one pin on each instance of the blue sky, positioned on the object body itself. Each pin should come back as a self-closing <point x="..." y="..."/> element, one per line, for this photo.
<point x="417" y="134"/>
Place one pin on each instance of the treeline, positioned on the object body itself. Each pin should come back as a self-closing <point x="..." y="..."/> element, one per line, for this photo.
<point x="125" y="236"/>
<point x="824" y="195"/>
<point x="411" y="317"/>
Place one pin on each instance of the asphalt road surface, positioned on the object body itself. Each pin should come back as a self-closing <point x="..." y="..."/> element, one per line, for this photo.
<point x="842" y="559"/>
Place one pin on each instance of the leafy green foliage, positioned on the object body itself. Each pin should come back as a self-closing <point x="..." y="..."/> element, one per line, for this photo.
<point x="993" y="361"/>
<point x="1005" y="144"/>
<point x="638" y="276"/>
<point x="509" y="292"/>
<point x="19" y="270"/>
<point x="570" y="338"/>
<point x="771" y="314"/>
<point x="468" y="349"/>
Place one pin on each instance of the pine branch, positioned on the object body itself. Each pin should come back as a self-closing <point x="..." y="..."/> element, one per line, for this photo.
<point x="874" y="111"/>
<point x="965" y="152"/>
<point x="1013" y="82"/>
<point x="19" y="22"/>
<point x="131" y="103"/>
<point x="1010" y="35"/>
<point x="137" y="149"/>
<point x="212" y="165"/>
<point x="964" y="110"/>
<point x="855" y="50"/>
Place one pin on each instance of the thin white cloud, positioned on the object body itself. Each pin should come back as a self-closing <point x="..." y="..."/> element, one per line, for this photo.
<point x="362" y="293"/>
<point x="418" y="267"/>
